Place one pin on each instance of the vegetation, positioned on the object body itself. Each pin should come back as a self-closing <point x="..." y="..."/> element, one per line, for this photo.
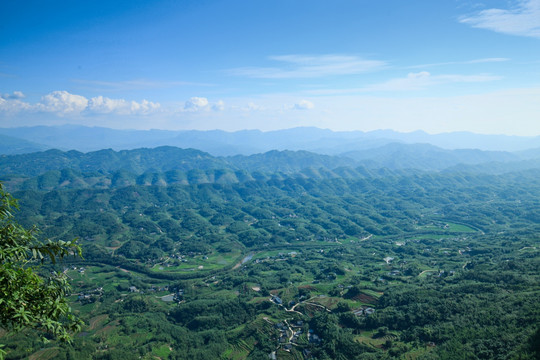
<point x="326" y="264"/>
<point x="28" y="299"/>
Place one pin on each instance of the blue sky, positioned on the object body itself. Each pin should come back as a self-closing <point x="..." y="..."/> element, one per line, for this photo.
<point x="437" y="66"/>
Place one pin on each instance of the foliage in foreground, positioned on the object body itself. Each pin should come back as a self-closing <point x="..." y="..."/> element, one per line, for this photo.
<point x="28" y="298"/>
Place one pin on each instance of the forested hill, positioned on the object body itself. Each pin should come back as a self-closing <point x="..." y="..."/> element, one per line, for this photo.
<point x="380" y="264"/>
<point x="169" y="165"/>
<point x="289" y="254"/>
<point x="134" y="161"/>
<point x="429" y="157"/>
<point x="54" y="169"/>
<point x="163" y="159"/>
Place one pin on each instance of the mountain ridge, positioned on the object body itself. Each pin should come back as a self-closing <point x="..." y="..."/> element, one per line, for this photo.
<point x="166" y="165"/>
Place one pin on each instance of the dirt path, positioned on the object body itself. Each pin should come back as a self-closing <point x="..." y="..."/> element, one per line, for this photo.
<point x="425" y="271"/>
<point x="301" y="302"/>
<point x="290" y="330"/>
<point x="319" y="305"/>
<point x="292" y="309"/>
<point x="307" y="302"/>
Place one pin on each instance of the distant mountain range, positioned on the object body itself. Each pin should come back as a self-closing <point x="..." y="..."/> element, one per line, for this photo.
<point x="199" y="157"/>
<point x="221" y="143"/>
<point x="13" y="145"/>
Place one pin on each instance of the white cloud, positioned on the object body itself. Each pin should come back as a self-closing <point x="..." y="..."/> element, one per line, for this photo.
<point x="11" y="103"/>
<point x="303" y="105"/>
<point x="16" y="95"/>
<point x="311" y="66"/>
<point x="196" y="104"/>
<point x="522" y="20"/>
<point x="219" y="106"/>
<point x="253" y="107"/>
<point x="103" y="105"/>
<point x="144" y="107"/>
<point x="13" y="106"/>
<point x="62" y="103"/>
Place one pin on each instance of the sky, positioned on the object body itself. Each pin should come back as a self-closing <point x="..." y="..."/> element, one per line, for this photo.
<point x="437" y="66"/>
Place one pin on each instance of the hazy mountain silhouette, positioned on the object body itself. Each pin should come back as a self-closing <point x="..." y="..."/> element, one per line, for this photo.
<point x="247" y="142"/>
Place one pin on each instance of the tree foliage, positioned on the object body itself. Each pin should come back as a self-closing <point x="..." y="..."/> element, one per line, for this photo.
<point x="28" y="297"/>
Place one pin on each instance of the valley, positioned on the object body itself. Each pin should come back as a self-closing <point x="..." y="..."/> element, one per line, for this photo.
<point x="378" y="264"/>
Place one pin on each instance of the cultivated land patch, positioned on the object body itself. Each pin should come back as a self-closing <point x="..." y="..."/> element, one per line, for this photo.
<point x="162" y="351"/>
<point x="459" y="228"/>
<point x="365" y="298"/>
<point x="97" y="321"/>
<point x="326" y="301"/>
<point x="107" y="329"/>
<point x="45" y="354"/>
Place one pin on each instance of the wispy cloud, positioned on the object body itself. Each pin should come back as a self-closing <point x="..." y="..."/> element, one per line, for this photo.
<point x="139" y="84"/>
<point x="219" y="106"/>
<point x="310" y="66"/>
<point x="251" y="106"/>
<point x="522" y="20"/>
<point x="423" y="79"/>
<point x="413" y="81"/>
<point x="466" y="62"/>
